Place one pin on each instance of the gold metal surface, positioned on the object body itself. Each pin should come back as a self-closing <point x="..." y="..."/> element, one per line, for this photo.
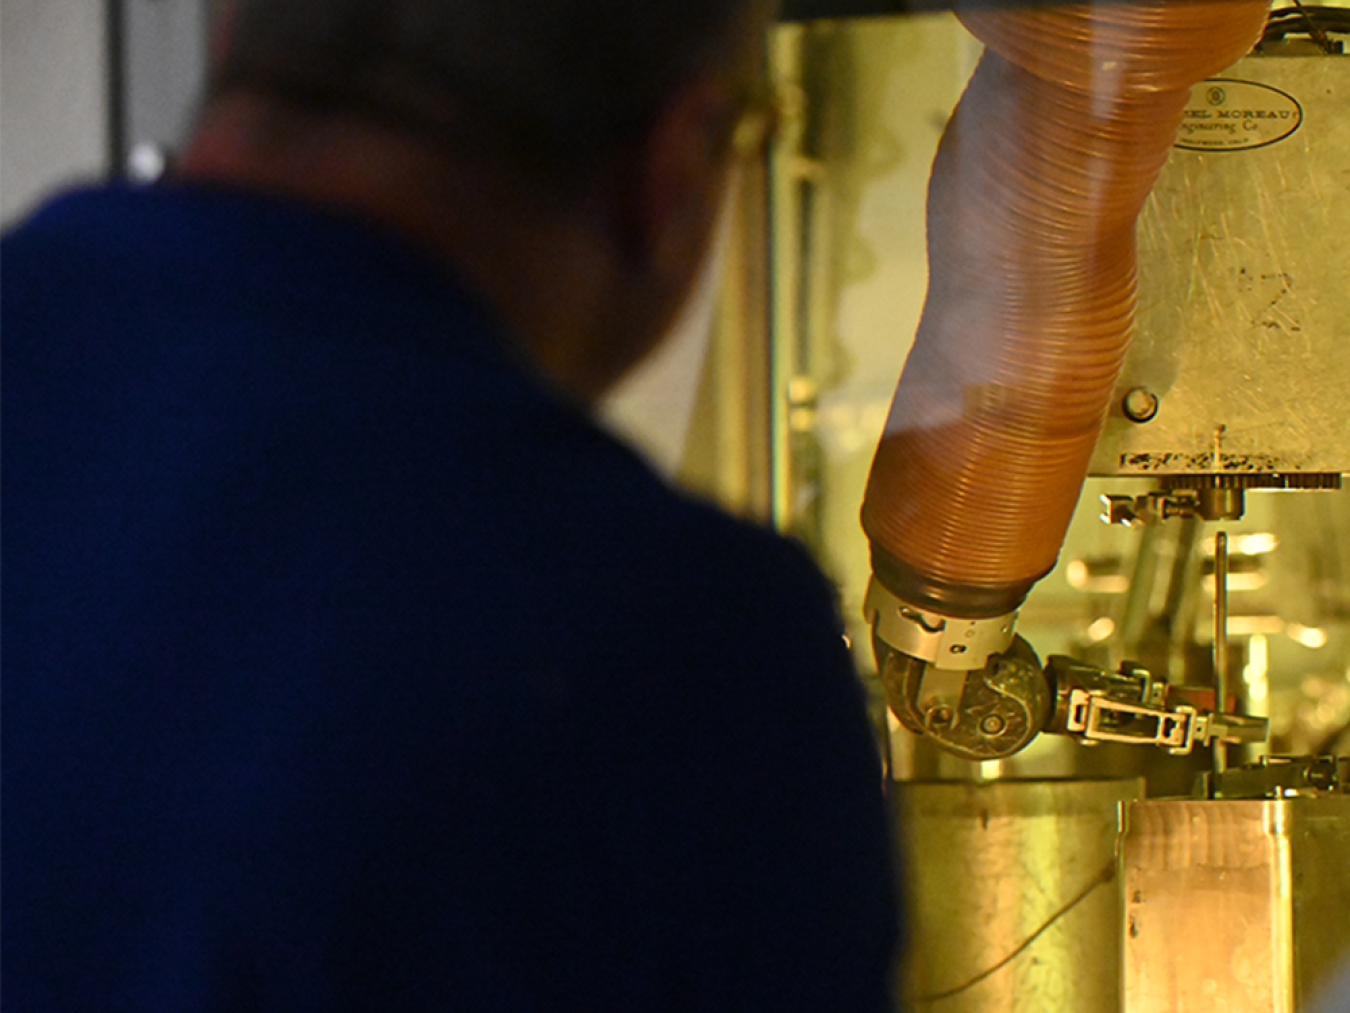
<point x="1235" y="906"/>
<point x="1012" y="895"/>
<point x="1242" y="294"/>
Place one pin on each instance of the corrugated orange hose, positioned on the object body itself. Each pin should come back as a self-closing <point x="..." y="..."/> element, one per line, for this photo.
<point x="1037" y="182"/>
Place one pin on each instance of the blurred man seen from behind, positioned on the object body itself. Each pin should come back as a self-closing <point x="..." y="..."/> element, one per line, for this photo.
<point x="348" y="664"/>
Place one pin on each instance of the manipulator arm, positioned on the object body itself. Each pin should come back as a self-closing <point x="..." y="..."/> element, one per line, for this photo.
<point x="980" y="692"/>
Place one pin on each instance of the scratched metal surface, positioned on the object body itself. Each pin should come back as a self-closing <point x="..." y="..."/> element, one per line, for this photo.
<point x="1013" y="895"/>
<point x="1234" y="905"/>
<point x="1243" y="328"/>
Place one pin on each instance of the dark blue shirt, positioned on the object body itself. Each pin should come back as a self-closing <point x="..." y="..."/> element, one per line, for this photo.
<point x="348" y="668"/>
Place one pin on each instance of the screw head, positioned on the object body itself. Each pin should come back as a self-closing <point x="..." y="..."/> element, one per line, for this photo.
<point x="993" y="724"/>
<point x="1139" y="404"/>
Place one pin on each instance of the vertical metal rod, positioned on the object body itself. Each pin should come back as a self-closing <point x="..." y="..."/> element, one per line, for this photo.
<point x="1220" y="642"/>
<point x="114" y="14"/>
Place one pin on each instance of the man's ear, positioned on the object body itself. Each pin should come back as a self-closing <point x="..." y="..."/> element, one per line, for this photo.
<point x="679" y="176"/>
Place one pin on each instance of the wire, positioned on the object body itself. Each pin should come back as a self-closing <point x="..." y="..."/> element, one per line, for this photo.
<point x="1107" y="874"/>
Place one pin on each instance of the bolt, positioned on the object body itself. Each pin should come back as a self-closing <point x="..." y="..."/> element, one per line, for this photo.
<point x="993" y="724"/>
<point x="1139" y="404"/>
<point x="939" y="717"/>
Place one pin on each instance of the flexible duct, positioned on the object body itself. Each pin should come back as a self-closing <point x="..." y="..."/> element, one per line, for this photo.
<point x="1034" y="192"/>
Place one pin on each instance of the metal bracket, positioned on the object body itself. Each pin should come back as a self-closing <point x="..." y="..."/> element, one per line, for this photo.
<point x="1099" y="718"/>
<point x="1277" y="777"/>
<point x="1096" y="717"/>
<point x="943" y="641"/>
<point x="1151" y="508"/>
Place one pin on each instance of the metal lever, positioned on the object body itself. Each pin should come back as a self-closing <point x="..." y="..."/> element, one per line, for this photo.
<point x="1098" y="718"/>
<point x="1131" y="706"/>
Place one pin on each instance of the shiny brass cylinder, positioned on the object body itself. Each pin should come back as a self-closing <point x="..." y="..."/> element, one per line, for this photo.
<point x="1013" y="895"/>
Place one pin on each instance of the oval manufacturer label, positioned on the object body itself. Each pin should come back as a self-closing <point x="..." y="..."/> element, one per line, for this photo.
<point x="1224" y="115"/>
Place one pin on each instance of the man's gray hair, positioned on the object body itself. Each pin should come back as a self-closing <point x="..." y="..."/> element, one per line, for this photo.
<point x="549" y="82"/>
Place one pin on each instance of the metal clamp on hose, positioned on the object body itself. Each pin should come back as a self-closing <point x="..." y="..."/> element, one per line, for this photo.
<point x="942" y="641"/>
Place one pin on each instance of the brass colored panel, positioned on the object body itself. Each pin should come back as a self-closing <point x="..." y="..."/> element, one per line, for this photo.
<point x="1241" y="329"/>
<point x="1235" y="906"/>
